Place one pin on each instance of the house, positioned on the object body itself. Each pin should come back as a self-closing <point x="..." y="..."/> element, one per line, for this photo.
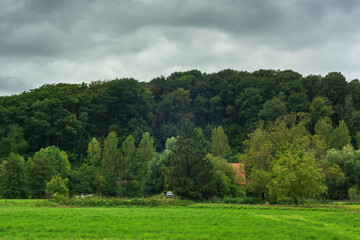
<point x="239" y="172"/>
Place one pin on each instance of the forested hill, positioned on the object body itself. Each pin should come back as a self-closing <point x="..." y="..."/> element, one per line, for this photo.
<point x="128" y="138"/>
<point x="69" y="115"/>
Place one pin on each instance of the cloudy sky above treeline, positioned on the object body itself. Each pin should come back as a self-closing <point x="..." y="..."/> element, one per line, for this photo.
<point x="75" y="41"/>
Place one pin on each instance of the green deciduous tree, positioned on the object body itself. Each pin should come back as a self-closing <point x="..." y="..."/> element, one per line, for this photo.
<point x="296" y="174"/>
<point x="349" y="162"/>
<point x="127" y="184"/>
<point x="319" y="108"/>
<point x="174" y="107"/>
<point x="334" y="87"/>
<point x="85" y="179"/>
<point x="272" y="109"/>
<point x="324" y="130"/>
<point x="145" y="152"/>
<point x="353" y="194"/>
<point x="155" y="182"/>
<point x="110" y="163"/>
<point x="58" y="185"/>
<point x="45" y="164"/>
<point x="264" y="142"/>
<point x="341" y="136"/>
<point x="17" y="143"/>
<point x="13" y="178"/>
<point x="94" y="152"/>
<point x="259" y="150"/>
<point x="219" y="143"/>
<point x="225" y="175"/>
<point x="257" y="182"/>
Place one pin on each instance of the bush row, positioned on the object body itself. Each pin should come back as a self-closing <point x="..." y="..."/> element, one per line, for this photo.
<point x="115" y="202"/>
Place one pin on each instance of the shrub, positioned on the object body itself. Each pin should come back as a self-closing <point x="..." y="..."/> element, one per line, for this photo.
<point x="58" y="185"/>
<point x="116" y="202"/>
<point x="353" y="194"/>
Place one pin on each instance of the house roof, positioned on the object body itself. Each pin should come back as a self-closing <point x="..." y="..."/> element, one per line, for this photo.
<point x="239" y="172"/>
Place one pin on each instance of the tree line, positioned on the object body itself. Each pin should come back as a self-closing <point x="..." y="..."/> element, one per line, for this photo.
<point x="129" y="138"/>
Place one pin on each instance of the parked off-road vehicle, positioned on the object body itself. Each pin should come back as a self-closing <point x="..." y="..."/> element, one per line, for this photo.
<point x="169" y="194"/>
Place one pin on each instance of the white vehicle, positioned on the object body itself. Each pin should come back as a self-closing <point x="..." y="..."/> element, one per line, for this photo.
<point x="169" y="194"/>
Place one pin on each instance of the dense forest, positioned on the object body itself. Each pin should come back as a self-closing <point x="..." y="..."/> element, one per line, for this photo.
<point x="296" y="136"/>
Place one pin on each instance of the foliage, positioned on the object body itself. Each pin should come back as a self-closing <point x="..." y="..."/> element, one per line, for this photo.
<point x="272" y="109"/>
<point x="17" y="143"/>
<point x="155" y="183"/>
<point x="320" y="109"/>
<point x="353" y="194"/>
<point x="96" y="201"/>
<point x="296" y="174"/>
<point x="348" y="160"/>
<point x="189" y="173"/>
<point x="85" y="180"/>
<point x="110" y="163"/>
<point x="250" y="107"/>
<point x="58" y="185"/>
<point x="127" y="184"/>
<point x="145" y="152"/>
<point x="341" y="136"/>
<point x="264" y="142"/>
<point x="257" y="183"/>
<point x="324" y="130"/>
<point x="46" y="164"/>
<point x="94" y="152"/>
<point x="219" y="143"/>
<point x="13" y="178"/>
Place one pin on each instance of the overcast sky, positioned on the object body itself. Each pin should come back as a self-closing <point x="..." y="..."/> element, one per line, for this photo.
<point x="74" y="41"/>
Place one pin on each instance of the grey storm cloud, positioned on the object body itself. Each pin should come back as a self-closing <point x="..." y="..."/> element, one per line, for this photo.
<point x="11" y="84"/>
<point x="48" y="41"/>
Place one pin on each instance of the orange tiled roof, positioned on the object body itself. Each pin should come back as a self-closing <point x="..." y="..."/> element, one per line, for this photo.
<point x="239" y="172"/>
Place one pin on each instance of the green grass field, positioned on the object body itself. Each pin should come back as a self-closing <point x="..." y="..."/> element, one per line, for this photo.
<point x="26" y="220"/>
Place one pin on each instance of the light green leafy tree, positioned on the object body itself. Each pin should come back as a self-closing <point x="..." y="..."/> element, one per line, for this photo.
<point x="225" y="175"/>
<point x="219" y="143"/>
<point x="341" y="136"/>
<point x="319" y="109"/>
<point x="155" y="182"/>
<point x="353" y="194"/>
<point x="45" y="164"/>
<point x="348" y="160"/>
<point x="324" y="130"/>
<point x="58" y="185"/>
<point x="109" y="163"/>
<point x="257" y="182"/>
<point x="127" y="184"/>
<point x="145" y="152"/>
<point x="94" y="152"/>
<point x="264" y="142"/>
<point x="296" y="174"/>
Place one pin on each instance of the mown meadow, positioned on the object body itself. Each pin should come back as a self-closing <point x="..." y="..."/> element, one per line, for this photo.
<point x="37" y="219"/>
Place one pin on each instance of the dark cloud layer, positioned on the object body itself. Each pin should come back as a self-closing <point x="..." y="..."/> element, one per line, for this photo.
<point x="48" y="41"/>
<point x="11" y="84"/>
